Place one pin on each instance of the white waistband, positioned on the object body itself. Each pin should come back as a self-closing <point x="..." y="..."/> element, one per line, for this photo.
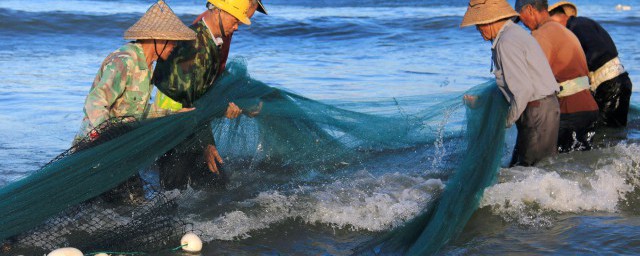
<point x="608" y="71"/>
<point x="573" y="86"/>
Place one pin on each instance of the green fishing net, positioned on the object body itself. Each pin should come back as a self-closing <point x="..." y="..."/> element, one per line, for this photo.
<point x="476" y="170"/>
<point x="63" y="203"/>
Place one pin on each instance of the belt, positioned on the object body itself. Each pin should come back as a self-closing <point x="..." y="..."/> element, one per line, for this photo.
<point x="608" y="71"/>
<point x="573" y="86"/>
<point x="533" y="104"/>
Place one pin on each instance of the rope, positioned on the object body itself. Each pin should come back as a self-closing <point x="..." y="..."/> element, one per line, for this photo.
<point x="136" y="253"/>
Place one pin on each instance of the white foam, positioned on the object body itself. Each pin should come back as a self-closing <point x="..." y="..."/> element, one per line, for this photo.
<point x="528" y="194"/>
<point x="363" y="203"/>
<point x="385" y="207"/>
<point x="237" y="224"/>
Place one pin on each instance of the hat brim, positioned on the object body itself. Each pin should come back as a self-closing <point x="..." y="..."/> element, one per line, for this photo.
<point x="487" y="12"/>
<point x="261" y="8"/>
<point x="159" y="22"/>
<point x="569" y="8"/>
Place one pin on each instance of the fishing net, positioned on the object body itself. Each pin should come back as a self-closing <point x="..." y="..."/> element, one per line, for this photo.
<point x="477" y="169"/>
<point x="64" y="204"/>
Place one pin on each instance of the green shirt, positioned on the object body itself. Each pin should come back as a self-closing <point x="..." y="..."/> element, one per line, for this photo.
<point x="121" y="88"/>
<point x="191" y="69"/>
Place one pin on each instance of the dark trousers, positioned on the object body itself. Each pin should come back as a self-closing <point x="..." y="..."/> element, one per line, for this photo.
<point x="537" y="132"/>
<point x="613" y="98"/>
<point x="179" y="169"/>
<point x="185" y="164"/>
<point x="577" y="131"/>
<point x="130" y="191"/>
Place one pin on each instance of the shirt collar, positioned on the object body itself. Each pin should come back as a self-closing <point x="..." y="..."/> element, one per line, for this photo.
<point x="142" y="60"/>
<point x="570" y="20"/>
<point x="506" y="24"/>
<point x="217" y="40"/>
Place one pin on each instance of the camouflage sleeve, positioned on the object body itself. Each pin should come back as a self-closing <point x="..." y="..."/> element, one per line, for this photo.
<point x="154" y="111"/>
<point x="106" y="89"/>
<point x="173" y="76"/>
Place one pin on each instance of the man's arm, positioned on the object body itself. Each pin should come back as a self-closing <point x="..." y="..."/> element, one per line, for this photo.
<point x="105" y="91"/>
<point x="517" y="79"/>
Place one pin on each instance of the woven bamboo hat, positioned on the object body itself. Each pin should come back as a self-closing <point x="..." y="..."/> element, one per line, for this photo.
<point x="159" y="23"/>
<point x="487" y="11"/>
<point x="569" y="8"/>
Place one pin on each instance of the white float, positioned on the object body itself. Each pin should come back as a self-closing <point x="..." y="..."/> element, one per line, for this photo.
<point x="101" y="254"/>
<point x="192" y="242"/>
<point x="620" y="7"/>
<point x="67" y="251"/>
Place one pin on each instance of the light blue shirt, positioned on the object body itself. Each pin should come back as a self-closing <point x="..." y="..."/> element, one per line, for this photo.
<point x="522" y="71"/>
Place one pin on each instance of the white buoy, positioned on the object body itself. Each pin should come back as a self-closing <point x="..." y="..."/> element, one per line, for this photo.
<point x="620" y="7"/>
<point x="102" y="254"/>
<point x="191" y="242"/>
<point x="67" y="251"/>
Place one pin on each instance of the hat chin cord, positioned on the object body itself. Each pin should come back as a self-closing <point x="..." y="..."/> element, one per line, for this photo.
<point x="219" y="20"/>
<point x="155" y="48"/>
<point x="220" y="24"/>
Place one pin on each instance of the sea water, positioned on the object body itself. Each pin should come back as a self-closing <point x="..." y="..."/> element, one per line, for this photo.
<point x="355" y="54"/>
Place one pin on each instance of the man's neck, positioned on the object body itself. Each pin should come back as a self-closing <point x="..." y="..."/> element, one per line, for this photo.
<point x="561" y="18"/>
<point x="542" y="18"/>
<point x="149" y="50"/>
<point x="495" y="29"/>
<point x="211" y="18"/>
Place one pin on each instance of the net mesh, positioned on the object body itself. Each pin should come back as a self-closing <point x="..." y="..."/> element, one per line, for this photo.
<point x="61" y="204"/>
<point x="477" y="169"/>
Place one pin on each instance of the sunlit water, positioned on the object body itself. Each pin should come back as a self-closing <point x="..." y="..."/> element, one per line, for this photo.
<point x="355" y="54"/>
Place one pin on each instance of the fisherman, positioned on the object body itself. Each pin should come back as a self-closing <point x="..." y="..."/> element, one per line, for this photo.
<point x="189" y="72"/>
<point x="610" y="83"/>
<point x="122" y="87"/>
<point x="579" y="111"/>
<point x="524" y="77"/>
<point x="256" y="5"/>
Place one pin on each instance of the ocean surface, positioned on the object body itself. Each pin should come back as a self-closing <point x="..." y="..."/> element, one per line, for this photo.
<point x="351" y="53"/>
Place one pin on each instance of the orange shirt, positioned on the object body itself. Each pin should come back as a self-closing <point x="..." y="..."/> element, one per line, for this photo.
<point x="567" y="61"/>
<point x="563" y="51"/>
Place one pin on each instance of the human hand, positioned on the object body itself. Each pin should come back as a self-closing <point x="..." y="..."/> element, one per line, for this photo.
<point x="233" y="111"/>
<point x="212" y="158"/>
<point x="255" y="110"/>
<point x="185" y="110"/>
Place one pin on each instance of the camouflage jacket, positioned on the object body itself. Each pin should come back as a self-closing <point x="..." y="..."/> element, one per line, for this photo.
<point x="191" y="69"/>
<point x="121" y="88"/>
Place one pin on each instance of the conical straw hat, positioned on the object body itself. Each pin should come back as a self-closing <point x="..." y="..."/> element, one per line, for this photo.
<point x="159" y="23"/>
<point x="569" y="8"/>
<point x="487" y="11"/>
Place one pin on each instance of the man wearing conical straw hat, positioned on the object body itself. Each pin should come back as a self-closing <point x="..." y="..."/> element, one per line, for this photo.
<point x="578" y="109"/>
<point x="186" y="75"/>
<point x="524" y="77"/>
<point x="122" y="87"/>
<point x="610" y="83"/>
